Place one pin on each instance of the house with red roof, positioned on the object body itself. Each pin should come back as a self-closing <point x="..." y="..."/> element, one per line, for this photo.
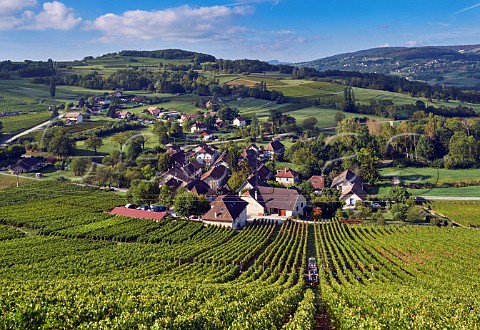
<point x="318" y="183"/>
<point x="287" y="176"/>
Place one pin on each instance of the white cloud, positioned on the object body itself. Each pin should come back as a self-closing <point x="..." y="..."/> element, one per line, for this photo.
<point x="384" y="45"/>
<point x="413" y="43"/>
<point x="55" y="15"/>
<point x="8" y="7"/>
<point x="179" y="24"/>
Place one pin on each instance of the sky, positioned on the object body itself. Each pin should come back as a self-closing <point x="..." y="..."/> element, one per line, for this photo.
<point x="285" y="30"/>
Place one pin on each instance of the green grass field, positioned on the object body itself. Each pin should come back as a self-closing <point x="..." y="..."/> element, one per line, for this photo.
<point x="432" y="175"/>
<point x="8" y="181"/>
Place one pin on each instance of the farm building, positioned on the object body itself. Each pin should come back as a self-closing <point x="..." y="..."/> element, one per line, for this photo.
<point x="74" y="117"/>
<point x="280" y="202"/>
<point x="227" y="210"/>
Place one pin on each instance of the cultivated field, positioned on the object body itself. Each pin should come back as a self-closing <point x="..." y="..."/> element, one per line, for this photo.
<point x="463" y="212"/>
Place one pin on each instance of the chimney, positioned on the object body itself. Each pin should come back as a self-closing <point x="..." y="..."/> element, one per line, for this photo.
<point x="215" y="215"/>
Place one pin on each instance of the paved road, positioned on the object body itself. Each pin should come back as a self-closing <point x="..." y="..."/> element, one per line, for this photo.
<point x="33" y="129"/>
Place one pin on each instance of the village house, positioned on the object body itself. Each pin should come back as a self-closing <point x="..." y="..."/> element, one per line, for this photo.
<point x="154" y="111"/>
<point x="206" y="135"/>
<point x="187" y="116"/>
<point x="216" y="177"/>
<point x="274" y="150"/>
<point x="252" y="181"/>
<point x="206" y="155"/>
<point x="227" y="210"/>
<point x="240" y="121"/>
<point x="116" y="94"/>
<point x="280" y="202"/>
<point x="198" y="127"/>
<point x="219" y="123"/>
<point x="318" y="183"/>
<point x="123" y="114"/>
<point x="351" y="186"/>
<point x="199" y="187"/>
<point x="211" y="105"/>
<point x="26" y="165"/>
<point x="73" y="117"/>
<point x="287" y="176"/>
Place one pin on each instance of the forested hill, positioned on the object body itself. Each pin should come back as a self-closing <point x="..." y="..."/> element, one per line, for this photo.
<point x="169" y="54"/>
<point x="437" y="65"/>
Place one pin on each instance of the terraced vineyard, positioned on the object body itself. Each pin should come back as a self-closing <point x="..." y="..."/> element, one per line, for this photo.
<point x="66" y="263"/>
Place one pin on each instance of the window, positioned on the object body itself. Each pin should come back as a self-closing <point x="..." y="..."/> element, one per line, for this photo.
<point x="352" y="201"/>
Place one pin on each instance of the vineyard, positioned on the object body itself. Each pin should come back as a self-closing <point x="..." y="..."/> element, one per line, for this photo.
<point x="466" y="213"/>
<point x="67" y="263"/>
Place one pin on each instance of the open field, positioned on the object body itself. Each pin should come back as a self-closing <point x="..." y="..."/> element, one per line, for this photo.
<point x="69" y="266"/>
<point x="9" y="181"/>
<point x="430" y="175"/>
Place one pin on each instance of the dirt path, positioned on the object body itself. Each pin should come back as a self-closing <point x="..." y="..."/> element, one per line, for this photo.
<point x="321" y="317"/>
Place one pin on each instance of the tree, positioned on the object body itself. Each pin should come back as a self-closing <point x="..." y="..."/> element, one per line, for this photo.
<point x="144" y="192"/>
<point x="54" y="113"/>
<point x="398" y="194"/>
<point x="368" y="165"/>
<point x="166" y="196"/>
<point x="237" y="179"/>
<point x="134" y="148"/>
<point x="60" y="144"/>
<point x="80" y="165"/>
<point x="121" y="138"/>
<point x="463" y="151"/>
<point x="53" y="87"/>
<point x="339" y="117"/>
<point x="425" y="148"/>
<point x="309" y="123"/>
<point x="349" y="100"/>
<point x="165" y="162"/>
<point x="93" y="142"/>
<point x="160" y="129"/>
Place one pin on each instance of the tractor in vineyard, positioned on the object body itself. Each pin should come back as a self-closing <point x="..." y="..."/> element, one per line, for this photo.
<point x="312" y="271"/>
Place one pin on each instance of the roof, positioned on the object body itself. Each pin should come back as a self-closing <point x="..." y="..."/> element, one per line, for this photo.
<point x="28" y="162"/>
<point x="216" y="173"/>
<point x="347" y="176"/>
<point x="286" y="173"/>
<point x="179" y="157"/>
<point x="264" y="172"/>
<point x="191" y="168"/>
<point x="225" y="208"/>
<point x="200" y="187"/>
<point x="205" y="133"/>
<point x="355" y="189"/>
<point x="174" y="183"/>
<point x="179" y="174"/>
<point x="317" y="181"/>
<point x="275" y="198"/>
<point x="275" y="146"/>
<point x="241" y="118"/>
<point x="138" y="213"/>
<point x="199" y="125"/>
<point x="73" y="115"/>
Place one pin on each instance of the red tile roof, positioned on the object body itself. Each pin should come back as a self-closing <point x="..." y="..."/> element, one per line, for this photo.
<point x="317" y="181"/>
<point x="286" y="173"/>
<point x="121" y="210"/>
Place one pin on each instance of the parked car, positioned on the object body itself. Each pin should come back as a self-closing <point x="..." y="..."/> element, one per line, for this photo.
<point x="143" y="208"/>
<point x="130" y="206"/>
<point x="376" y="205"/>
<point x="158" y="208"/>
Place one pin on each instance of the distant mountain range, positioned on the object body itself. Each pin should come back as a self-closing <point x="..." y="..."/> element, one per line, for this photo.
<point x="450" y="65"/>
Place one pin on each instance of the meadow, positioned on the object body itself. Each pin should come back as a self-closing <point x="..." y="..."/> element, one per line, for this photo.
<point x="466" y="213"/>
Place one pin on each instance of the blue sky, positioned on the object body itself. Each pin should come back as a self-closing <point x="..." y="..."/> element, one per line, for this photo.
<point x="287" y="30"/>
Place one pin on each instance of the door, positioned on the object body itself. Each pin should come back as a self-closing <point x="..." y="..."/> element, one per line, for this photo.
<point x="282" y="213"/>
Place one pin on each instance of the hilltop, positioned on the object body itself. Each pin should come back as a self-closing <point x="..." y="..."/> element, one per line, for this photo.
<point x="437" y="65"/>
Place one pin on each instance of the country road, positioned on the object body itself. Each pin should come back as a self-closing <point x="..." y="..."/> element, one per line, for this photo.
<point x="33" y="129"/>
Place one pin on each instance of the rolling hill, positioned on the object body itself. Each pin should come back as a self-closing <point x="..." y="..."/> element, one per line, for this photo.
<point x="437" y="65"/>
